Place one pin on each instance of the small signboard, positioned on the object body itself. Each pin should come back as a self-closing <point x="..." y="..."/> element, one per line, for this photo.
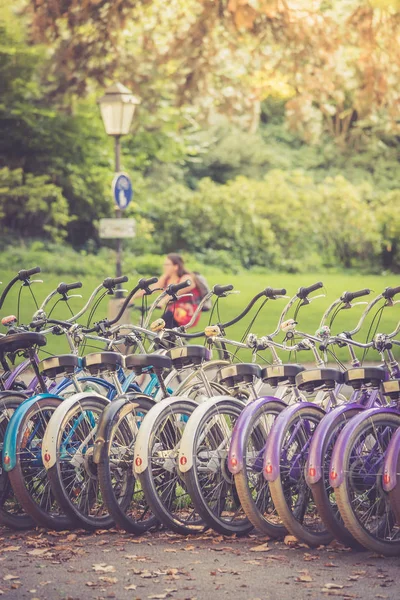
<point x="122" y="190"/>
<point x="117" y="228"/>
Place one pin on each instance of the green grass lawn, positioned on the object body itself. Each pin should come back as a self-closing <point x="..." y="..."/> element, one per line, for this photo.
<point x="248" y="284"/>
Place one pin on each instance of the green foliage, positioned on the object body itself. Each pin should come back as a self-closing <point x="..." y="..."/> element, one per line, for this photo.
<point x="33" y="201"/>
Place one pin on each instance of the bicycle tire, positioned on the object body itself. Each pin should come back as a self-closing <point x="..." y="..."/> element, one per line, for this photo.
<point x="73" y="477"/>
<point x="209" y="482"/>
<point x="290" y="492"/>
<point x="250" y="480"/>
<point x="322" y="491"/>
<point x="362" y="437"/>
<point x="160" y="485"/>
<point x="120" y="508"/>
<point x="12" y="514"/>
<point x="27" y="479"/>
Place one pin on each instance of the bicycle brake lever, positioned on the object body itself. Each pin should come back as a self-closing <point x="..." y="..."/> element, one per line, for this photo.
<point x="315" y="297"/>
<point x="74" y="296"/>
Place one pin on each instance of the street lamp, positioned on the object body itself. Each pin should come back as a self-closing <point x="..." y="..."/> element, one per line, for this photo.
<point x="117" y="108"/>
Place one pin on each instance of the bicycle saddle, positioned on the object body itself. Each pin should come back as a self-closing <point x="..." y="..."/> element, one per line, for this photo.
<point x="371" y="376"/>
<point x="278" y="374"/>
<point x="21" y="341"/>
<point x="391" y="388"/>
<point x="140" y="362"/>
<point x="241" y="373"/>
<point x="101" y="362"/>
<point x="309" y="380"/>
<point x="65" y="364"/>
<point x="187" y="356"/>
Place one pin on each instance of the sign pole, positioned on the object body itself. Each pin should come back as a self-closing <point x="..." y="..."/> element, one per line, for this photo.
<point x="118" y="215"/>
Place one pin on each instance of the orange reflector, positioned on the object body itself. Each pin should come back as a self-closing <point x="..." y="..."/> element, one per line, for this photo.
<point x="333" y="475"/>
<point x="47" y="457"/>
<point x="386" y="479"/>
<point x="183" y="460"/>
<point x="138" y="461"/>
<point x="312" y="472"/>
<point x="268" y="469"/>
<point x="234" y="462"/>
<point x="6" y="460"/>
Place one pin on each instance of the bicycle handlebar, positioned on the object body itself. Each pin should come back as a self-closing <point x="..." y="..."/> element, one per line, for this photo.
<point x="26" y="273"/>
<point x="303" y="292"/>
<point x="64" y="288"/>
<point x="22" y="275"/>
<point x="390" y="292"/>
<point x="111" y="282"/>
<point x="220" y="290"/>
<point x="348" y="297"/>
<point x="174" y="288"/>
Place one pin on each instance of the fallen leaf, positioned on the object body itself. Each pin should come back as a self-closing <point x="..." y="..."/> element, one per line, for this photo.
<point x="262" y="548"/>
<point x="158" y="596"/>
<point x="252" y="562"/>
<point x="44" y="552"/>
<point x="330" y="565"/>
<point x="9" y="577"/>
<point x="16" y="585"/>
<point x="103" y="568"/>
<point x="90" y="584"/>
<point x="132" y="586"/>
<point x="304" y="578"/>
<point x="72" y="537"/>
<point x="170" y="550"/>
<point x="10" y="549"/>
<point x="333" y="586"/>
<point x="290" y="540"/>
<point x="109" y="579"/>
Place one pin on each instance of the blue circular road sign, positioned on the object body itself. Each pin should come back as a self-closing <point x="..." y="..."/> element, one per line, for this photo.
<point x="122" y="190"/>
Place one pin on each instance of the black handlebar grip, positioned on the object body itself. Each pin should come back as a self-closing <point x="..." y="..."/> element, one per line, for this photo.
<point x="63" y="288"/>
<point x="26" y="273"/>
<point x="305" y="291"/>
<point x="145" y="283"/>
<point x="174" y="288"/>
<point x="350" y="296"/>
<point x="37" y="324"/>
<point x="272" y="292"/>
<point x="390" y="292"/>
<point x="111" y="282"/>
<point x="220" y="290"/>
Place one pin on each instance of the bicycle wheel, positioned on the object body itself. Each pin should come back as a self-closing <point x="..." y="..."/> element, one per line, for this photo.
<point x="322" y="491"/>
<point x="29" y="478"/>
<point x="121" y="490"/>
<point x="252" y="487"/>
<point x="209" y="482"/>
<point x="11" y="512"/>
<point x="73" y="476"/>
<point x="161" y="481"/>
<point x="363" y="504"/>
<point x="290" y="493"/>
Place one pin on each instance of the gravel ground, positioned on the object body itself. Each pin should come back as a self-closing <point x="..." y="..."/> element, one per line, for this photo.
<point x="111" y="564"/>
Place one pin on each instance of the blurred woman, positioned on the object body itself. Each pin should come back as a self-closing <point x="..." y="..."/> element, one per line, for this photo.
<point x="181" y="311"/>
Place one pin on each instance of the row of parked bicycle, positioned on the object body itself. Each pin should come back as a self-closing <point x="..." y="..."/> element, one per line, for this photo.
<point x="187" y="437"/>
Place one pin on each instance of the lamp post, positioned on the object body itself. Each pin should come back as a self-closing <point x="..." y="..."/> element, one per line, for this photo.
<point x="117" y="108"/>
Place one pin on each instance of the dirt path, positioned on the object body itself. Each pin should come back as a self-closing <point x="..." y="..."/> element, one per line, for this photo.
<point x="162" y="565"/>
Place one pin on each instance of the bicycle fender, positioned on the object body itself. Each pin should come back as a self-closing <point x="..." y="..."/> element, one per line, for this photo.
<point x="10" y="439"/>
<point x="238" y="441"/>
<point x="336" y="470"/>
<point x="391" y="463"/>
<point x="116" y="410"/>
<point x="271" y="466"/>
<point x="49" y="443"/>
<point x="141" y="456"/>
<point x="185" y="460"/>
<point x="16" y="395"/>
<point x="315" y="456"/>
